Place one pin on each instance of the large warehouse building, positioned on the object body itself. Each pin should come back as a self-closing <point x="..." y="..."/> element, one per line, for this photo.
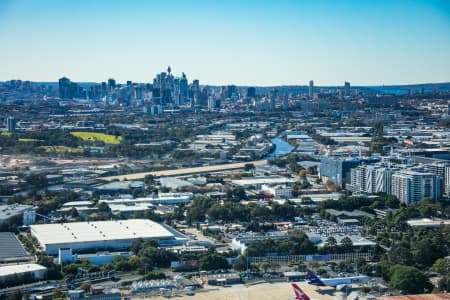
<point x="103" y="235"/>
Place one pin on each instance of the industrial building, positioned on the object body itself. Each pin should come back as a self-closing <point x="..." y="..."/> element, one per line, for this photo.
<point x="11" y="250"/>
<point x="15" y="272"/>
<point x="103" y="235"/>
<point x="8" y="212"/>
<point x="258" y="182"/>
<point x="160" y="199"/>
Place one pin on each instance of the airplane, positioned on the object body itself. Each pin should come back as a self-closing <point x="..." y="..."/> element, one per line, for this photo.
<point x="339" y="282"/>
<point x="299" y="293"/>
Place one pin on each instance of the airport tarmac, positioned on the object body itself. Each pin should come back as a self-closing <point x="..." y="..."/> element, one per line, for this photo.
<point x="263" y="291"/>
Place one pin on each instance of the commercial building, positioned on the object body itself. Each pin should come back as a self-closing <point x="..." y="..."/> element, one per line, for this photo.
<point x="103" y="235"/>
<point x="431" y="223"/>
<point x="411" y="186"/>
<point x="11" y="250"/>
<point x="11" y="124"/>
<point x="338" y="170"/>
<point x="278" y="191"/>
<point x="160" y="199"/>
<point x="8" y="212"/>
<point x="241" y="242"/>
<point x="311" y="89"/>
<point x="371" y="179"/>
<point x="258" y="182"/>
<point x="120" y="187"/>
<point x="17" y="272"/>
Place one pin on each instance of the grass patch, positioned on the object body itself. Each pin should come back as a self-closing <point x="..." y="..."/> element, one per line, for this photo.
<point x="96" y="136"/>
<point x="5" y="133"/>
<point x="29" y="140"/>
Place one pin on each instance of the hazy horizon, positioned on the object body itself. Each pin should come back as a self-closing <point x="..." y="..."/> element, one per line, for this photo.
<point x="244" y="43"/>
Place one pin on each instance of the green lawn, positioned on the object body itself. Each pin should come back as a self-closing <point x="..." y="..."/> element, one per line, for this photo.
<point x="29" y="140"/>
<point x="96" y="136"/>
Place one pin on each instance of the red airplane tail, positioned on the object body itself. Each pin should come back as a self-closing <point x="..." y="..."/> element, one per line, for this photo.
<point x="299" y="293"/>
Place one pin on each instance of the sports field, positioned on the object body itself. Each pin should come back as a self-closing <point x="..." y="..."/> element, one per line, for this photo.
<point x="97" y="136"/>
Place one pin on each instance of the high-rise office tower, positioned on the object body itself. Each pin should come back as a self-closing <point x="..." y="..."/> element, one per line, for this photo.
<point x="311" y="89"/>
<point x="11" y="124"/>
<point x="251" y="92"/>
<point x="231" y="91"/>
<point x="104" y="88"/>
<point x="347" y="88"/>
<point x="211" y="103"/>
<point x="111" y="84"/>
<point x="65" y="88"/>
<point x="184" y="89"/>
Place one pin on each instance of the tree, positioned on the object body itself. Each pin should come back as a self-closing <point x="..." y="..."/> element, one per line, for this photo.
<point x="249" y="167"/>
<point x="331" y="244"/>
<point x="240" y="264"/>
<point x="302" y="174"/>
<point x="409" y="280"/>
<point x="104" y="208"/>
<point x="441" y="266"/>
<point x="137" y="245"/>
<point x="74" y="213"/>
<point x="213" y="261"/>
<point x="86" y="286"/>
<point x="36" y="180"/>
<point x="346" y="244"/>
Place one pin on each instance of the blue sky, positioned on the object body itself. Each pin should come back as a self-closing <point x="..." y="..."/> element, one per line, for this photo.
<point x="246" y="42"/>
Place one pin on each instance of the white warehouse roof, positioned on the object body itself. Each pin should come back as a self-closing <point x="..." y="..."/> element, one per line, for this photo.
<point x="81" y="235"/>
<point x="19" y="269"/>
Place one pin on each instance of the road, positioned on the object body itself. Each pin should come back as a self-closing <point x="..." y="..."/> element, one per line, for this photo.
<point x="185" y="171"/>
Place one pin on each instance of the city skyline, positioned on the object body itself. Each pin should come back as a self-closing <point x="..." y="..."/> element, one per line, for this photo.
<point x="242" y="43"/>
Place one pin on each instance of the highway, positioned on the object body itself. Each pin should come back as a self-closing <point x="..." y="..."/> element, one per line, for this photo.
<point x="185" y="171"/>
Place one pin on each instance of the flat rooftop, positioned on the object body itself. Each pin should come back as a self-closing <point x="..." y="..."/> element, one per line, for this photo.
<point x="263" y="180"/>
<point x="425" y="222"/>
<point x="78" y="232"/>
<point x="7" y="211"/>
<point x="23" y="268"/>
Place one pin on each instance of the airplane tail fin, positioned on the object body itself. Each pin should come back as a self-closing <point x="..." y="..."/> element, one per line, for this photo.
<point x="299" y="294"/>
<point x="313" y="279"/>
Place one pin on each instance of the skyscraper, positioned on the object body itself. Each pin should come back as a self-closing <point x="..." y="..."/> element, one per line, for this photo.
<point x="184" y="89"/>
<point x="11" y="124"/>
<point x="65" y="90"/>
<point x="111" y="84"/>
<point x="311" y="89"/>
<point x="251" y="92"/>
<point x="211" y="103"/>
<point x="347" y="88"/>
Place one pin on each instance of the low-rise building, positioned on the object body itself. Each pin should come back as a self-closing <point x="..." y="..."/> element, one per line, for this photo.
<point x="278" y="191"/>
<point x="26" y="272"/>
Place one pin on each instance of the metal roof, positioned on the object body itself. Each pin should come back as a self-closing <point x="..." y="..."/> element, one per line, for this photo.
<point x="10" y="246"/>
<point x="78" y="232"/>
<point x="17" y="269"/>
